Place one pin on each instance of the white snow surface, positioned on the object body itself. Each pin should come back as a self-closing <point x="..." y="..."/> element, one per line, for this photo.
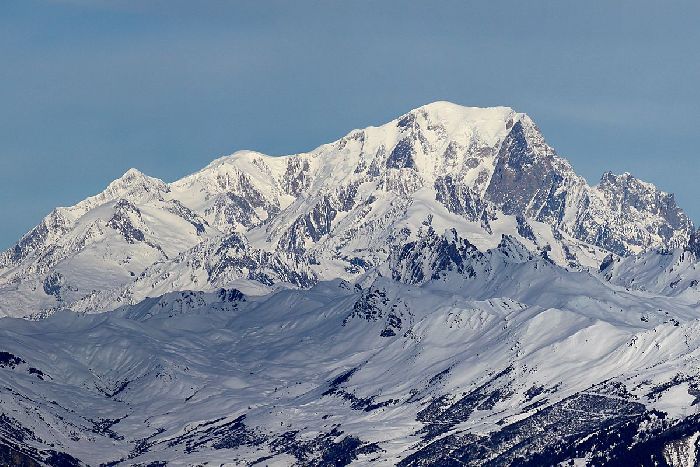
<point x="166" y="372"/>
<point x="433" y="281"/>
<point x="334" y="212"/>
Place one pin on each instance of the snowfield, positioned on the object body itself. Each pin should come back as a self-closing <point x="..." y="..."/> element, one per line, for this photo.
<point x="439" y="290"/>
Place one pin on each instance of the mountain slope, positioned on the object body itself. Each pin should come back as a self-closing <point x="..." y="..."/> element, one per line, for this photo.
<point x="335" y="212"/>
<point x="486" y="364"/>
<point x="442" y="289"/>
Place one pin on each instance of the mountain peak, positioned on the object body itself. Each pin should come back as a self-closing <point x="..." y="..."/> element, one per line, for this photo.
<point x="445" y="111"/>
<point x="133" y="184"/>
<point x="447" y="106"/>
<point x="236" y="156"/>
<point x="626" y="179"/>
<point x="132" y="173"/>
<point x="133" y="178"/>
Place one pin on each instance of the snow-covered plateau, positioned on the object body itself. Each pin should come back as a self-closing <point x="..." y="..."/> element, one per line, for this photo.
<point x="442" y="289"/>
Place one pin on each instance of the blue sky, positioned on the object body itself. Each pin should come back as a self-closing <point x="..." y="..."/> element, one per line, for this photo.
<point x="89" y="88"/>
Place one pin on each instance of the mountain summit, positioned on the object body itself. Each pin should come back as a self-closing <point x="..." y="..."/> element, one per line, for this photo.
<point x="335" y="212"/>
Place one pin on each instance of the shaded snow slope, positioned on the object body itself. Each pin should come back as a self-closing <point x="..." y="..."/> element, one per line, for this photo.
<point x="500" y="356"/>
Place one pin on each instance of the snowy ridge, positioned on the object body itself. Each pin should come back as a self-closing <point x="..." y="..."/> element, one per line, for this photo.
<point x="339" y="210"/>
<point x="442" y="289"/>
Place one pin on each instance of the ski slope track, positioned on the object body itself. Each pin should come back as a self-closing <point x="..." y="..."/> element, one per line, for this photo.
<point x="442" y="289"/>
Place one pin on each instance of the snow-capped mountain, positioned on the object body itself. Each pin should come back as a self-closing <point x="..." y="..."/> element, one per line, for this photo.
<point x="335" y="212"/>
<point x="442" y="289"/>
